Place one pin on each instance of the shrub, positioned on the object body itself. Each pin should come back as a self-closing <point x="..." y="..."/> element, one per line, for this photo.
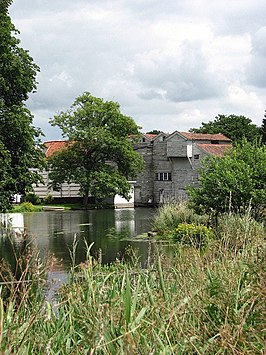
<point x="232" y="183"/>
<point x="169" y="216"/>
<point x="27" y="207"/>
<point x="48" y="199"/>
<point x="32" y="198"/>
<point x="192" y="234"/>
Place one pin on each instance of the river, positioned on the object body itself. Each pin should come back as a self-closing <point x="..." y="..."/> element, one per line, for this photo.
<point x="112" y="233"/>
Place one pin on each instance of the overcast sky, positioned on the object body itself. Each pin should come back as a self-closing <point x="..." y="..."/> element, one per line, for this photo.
<point x="170" y="64"/>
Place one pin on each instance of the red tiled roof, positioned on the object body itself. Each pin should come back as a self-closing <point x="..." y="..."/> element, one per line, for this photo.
<point x="150" y="135"/>
<point x="201" y="136"/>
<point x="54" y="146"/>
<point x="215" y="149"/>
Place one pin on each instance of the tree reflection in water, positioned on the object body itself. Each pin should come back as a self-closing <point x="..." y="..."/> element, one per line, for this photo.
<point x="111" y="231"/>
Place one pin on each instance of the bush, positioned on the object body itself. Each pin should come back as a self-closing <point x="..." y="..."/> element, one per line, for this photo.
<point x="48" y="199"/>
<point x="233" y="183"/>
<point x="169" y="216"/>
<point x="27" y="207"/>
<point x="191" y="234"/>
<point x="32" y="198"/>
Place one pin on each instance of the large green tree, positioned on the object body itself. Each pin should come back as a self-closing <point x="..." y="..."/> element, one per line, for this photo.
<point x="99" y="155"/>
<point x="232" y="126"/>
<point x="19" y="139"/>
<point x="234" y="182"/>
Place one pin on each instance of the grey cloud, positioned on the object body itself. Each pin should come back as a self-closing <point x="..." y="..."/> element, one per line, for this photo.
<point x="182" y="77"/>
<point x="230" y="17"/>
<point x="150" y="94"/>
<point x="259" y="42"/>
<point x="256" y="72"/>
<point x="139" y="54"/>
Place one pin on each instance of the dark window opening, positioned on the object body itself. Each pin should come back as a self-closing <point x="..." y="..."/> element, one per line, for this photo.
<point x="163" y="176"/>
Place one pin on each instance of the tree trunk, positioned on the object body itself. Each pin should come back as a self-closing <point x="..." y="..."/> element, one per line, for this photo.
<point x="86" y="199"/>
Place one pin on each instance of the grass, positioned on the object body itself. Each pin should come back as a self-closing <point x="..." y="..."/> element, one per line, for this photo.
<point x="67" y="206"/>
<point x="25" y="207"/>
<point x="169" y="216"/>
<point x="38" y="208"/>
<point x="190" y="301"/>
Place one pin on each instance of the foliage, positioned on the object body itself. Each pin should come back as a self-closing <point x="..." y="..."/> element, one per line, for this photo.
<point x="234" y="182"/>
<point x="48" y="199"/>
<point x="99" y="156"/>
<point x="232" y="126"/>
<point x="17" y="69"/>
<point x="235" y="231"/>
<point x="18" y="138"/>
<point x="193" y="301"/>
<point x="26" y="207"/>
<point x="22" y="273"/>
<point x="169" y="216"/>
<point x="154" y="131"/>
<point x="33" y="198"/>
<point x="193" y="234"/>
<point x="263" y="129"/>
<point x="5" y="179"/>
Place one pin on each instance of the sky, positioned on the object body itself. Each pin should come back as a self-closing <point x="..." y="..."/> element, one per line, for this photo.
<point x="171" y="64"/>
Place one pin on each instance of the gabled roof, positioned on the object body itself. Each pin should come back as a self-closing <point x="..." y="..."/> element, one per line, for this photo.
<point x="201" y="136"/>
<point x="54" y="146"/>
<point x="215" y="149"/>
<point x="150" y="136"/>
<point x="161" y="136"/>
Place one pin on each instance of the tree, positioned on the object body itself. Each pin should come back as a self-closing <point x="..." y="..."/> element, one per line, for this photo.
<point x="99" y="156"/>
<point x="232" y="126"/>
<point x="154" y="131"/>
<point x="17" y="68"/>
<point x="233" y="182"/>
<point x="263" y="129"/>
<point x="19" y="140"/>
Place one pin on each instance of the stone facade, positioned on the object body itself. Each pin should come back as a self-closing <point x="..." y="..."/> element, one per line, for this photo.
<point x="171" y="164"/>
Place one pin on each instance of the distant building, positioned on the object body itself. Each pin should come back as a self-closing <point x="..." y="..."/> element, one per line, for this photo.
<point x="171" y="164"/>
<point x="67" y="191"/>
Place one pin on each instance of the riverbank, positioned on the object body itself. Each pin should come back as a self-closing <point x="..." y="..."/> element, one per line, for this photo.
<point x="191" y="300"/>
<point x="29" y="207"/>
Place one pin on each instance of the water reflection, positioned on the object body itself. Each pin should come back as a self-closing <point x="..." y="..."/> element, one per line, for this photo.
<point x="111" y="231"/>
<point x="11" y="222"/>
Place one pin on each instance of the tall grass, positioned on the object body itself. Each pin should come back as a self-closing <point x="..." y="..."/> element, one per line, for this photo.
<point x="192" y="302"/>
<point x="169" y="216"/>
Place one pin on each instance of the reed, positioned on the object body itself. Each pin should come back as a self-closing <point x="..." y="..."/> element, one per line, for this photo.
<point x="194" y="301"/>
<point x="169" y="216"/>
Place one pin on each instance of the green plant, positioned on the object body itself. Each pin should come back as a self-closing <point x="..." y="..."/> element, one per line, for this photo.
<point x="209" y="301"/>
<point x="233" y="183"/>
<point x="48" y="199"/>
<point x="169" y="216"/>
<point x="32" y="198"/>
<point x="21" y="154"/>
<point x="98" y="154"/>
<point x="235" y="231"/>
<point x="192" y="234"/>
<point x="27" y="207"/>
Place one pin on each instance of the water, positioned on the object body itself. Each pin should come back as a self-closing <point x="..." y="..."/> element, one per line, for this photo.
<point x="111" y="231"/>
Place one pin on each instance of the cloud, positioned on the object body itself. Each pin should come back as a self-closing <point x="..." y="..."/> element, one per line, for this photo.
<point x="181" y="74"/>
<point x="169" y="64"/>
<point x="256" y="73"/>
